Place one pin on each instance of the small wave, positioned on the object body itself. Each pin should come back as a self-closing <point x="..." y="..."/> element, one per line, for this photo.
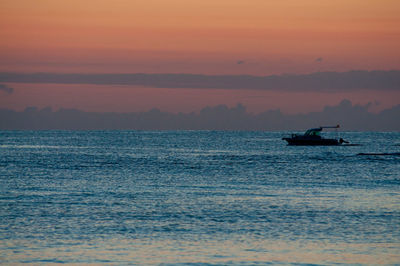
<point x="379" y="154"/>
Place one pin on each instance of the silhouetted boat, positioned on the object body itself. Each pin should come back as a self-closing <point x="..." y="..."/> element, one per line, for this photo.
<point x="312" y="138"/>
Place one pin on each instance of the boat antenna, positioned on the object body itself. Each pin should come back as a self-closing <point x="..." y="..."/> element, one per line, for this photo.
<point x="337" y="132"/>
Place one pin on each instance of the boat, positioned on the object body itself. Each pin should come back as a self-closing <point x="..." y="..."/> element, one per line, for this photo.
<point x="312" y="137"/>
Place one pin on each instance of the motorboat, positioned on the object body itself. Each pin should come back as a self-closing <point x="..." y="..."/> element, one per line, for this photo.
<point x="312" y="137"/>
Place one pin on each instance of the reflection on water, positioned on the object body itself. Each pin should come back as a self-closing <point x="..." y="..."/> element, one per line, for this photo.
<point x="238" y="251"/>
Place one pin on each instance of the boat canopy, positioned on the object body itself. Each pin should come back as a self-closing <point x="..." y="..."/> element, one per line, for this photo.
<point x="316" y="131"/>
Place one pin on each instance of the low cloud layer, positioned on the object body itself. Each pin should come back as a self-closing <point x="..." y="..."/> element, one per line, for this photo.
<point x="6" y="89"/>
<point x="221" y="117"/>
<point x="320" y="81"/>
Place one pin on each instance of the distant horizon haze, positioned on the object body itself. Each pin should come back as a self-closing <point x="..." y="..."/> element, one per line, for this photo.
<point x="219" y="117"/>
<point x="138" y="92"/>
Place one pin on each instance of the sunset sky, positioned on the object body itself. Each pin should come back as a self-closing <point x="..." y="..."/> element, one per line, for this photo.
<point x="208" y="37"/>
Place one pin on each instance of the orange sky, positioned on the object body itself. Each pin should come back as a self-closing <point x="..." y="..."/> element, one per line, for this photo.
<point x="197" y="36"/>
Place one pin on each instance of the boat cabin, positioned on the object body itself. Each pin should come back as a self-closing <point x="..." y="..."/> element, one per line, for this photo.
<point x="313" y="132"/>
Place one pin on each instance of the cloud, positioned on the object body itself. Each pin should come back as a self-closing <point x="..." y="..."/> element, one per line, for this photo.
<point x="319" y="81"/>
<point x="319" y="59"/>
<point x="220" y="117"/>
<point x="6" y="89"/>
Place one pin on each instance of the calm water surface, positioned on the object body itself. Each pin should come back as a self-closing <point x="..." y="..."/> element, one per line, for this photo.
<point x="189" y="197"/>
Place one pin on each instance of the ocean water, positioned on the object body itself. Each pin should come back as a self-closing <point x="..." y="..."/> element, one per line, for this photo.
<point x="197" y="197"/>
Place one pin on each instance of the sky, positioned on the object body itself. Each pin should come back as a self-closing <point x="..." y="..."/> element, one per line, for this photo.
<point x="205" y="37"/>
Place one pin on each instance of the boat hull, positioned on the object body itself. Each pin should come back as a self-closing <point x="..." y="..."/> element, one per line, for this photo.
<point x="312" y="142"/>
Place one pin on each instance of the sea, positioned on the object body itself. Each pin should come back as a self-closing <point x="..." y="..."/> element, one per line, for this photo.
<point x="197" y="198"/>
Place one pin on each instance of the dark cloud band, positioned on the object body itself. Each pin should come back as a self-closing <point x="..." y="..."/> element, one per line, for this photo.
<point x="320" y="81"/>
